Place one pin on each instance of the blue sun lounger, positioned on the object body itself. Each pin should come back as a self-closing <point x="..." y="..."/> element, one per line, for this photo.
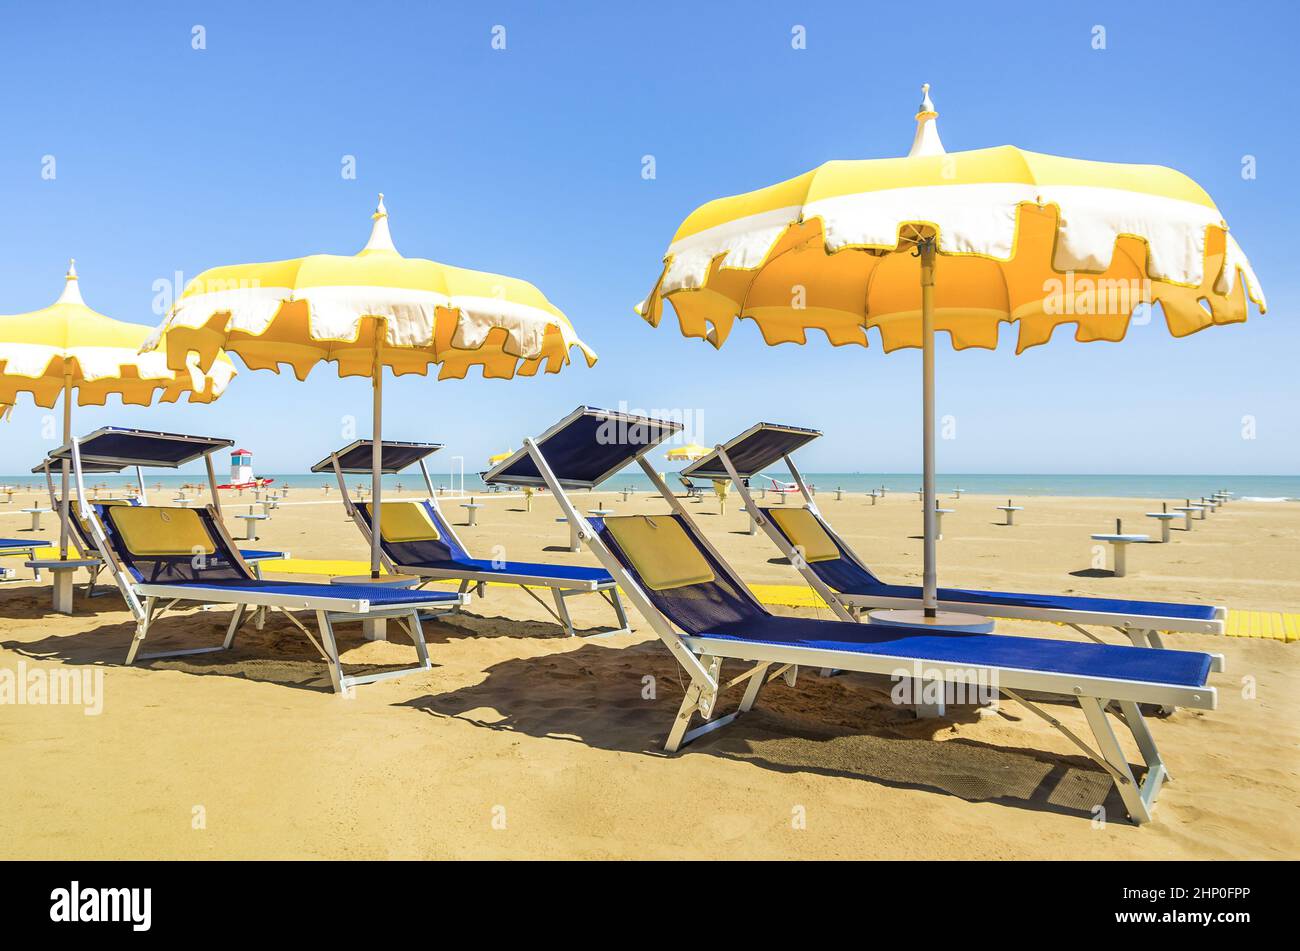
<point x="845" y="582"/>
<point x="81" y="535"/>
<point x="419" y="540"/>
<point x="161" y="557"/>
<point x="20" y="546"/>
<point x="706" y="615"/>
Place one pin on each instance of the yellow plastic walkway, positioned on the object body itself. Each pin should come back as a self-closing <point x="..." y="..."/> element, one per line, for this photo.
<point x="1271" y="624"/>
<point x="1276" y="625"/>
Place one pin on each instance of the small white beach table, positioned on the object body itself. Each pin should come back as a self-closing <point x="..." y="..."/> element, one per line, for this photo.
<point x="251" y="519"/>
<point x="1187" y="511"/>
<point x="1120" y="542"/>
<point x="956" y="494"/>
<point x="182" y="500"/>
<point x="1211" y="504"/>
<point x="1165" y="519"/>
<point x="36" y="514"/>
<point x="938" y="522"/>
<point x="63" y="571"/>
<point x="1010" y="511"/>
<point x="471" y="512"/>
<point x="376" y="629"/>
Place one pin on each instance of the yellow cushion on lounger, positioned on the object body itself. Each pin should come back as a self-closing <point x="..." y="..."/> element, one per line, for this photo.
<point x="107" y="503"/>
<point x="407" y="522"/>
<point x="660" y="551"/>
<point x="151" y="530"/>
<point x="805" y="533"/>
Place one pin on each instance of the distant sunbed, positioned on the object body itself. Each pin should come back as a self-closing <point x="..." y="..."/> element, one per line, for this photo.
<point x="81" y="535"/>
<point x="160" y="557"/>
<point x="845" y="582"/>
<point x="417" y="539"/>
<point x="22" y="546"/>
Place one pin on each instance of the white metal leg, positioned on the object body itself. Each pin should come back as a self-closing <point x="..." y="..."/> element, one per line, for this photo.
<point x="1108" y="745"/>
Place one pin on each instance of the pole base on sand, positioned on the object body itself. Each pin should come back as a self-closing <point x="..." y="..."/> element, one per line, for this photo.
<point x="376" y="629"/>
<point x="929" y="702"/>
<point x="954" y="621"/>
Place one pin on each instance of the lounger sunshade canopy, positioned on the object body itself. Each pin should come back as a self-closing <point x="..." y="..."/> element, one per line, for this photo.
<point x="753" y="451"/>
<point x="139" y="447"/>
<point x="90" y="468"/>
<point x="585" y="448"/>
<point x="355" y="458"/>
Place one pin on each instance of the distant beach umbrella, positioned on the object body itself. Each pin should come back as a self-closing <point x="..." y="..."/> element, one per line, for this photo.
<point x="67" y="347"/>
<point x="365" y="312"/>
<point x="960" y="242"/>
<point x="688" y="453"/>
<point x="500" y="457"/>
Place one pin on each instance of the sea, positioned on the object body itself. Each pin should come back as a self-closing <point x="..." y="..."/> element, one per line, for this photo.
<point x="1009" y="485"/>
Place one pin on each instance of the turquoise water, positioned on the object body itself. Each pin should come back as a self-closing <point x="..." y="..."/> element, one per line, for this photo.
<point x="1002" y="484"/>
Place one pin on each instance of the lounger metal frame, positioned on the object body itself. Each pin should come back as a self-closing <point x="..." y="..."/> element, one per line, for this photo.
<point x="702" y="659"/>
<point x="476" y="582"/>
<point x="1142" y="630"/>
<point x="148" y="602"/>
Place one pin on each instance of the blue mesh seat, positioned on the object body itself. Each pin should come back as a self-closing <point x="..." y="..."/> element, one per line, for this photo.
<point x="446" y="557"/>
<point x="849" y="577"/>
<point x="721" y="619"/>
<point x="215" y="574"/>
<point x="723" y="609"/>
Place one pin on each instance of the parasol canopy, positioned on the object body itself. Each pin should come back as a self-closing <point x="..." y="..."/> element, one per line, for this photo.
<point x="365" y="312"/>
<point x="69" y="350"/>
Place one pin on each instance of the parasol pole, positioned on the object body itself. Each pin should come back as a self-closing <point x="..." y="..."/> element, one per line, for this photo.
<point x="66" y="465"/>
<point x="930" y="589"/>
<point x="71" y="295"/>
<point x="376" y="450"/>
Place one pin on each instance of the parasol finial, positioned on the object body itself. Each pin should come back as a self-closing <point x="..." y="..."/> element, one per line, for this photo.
<point x="926" y="141"/>
<point x="380" y="237"/>
<point x="71" y="290"/>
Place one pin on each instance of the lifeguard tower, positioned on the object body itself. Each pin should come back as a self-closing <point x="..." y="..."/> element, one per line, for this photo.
<point x="241" y="472"/>
<point x="241" y="466"/>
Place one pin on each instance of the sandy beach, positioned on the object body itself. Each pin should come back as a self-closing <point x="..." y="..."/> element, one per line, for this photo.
<point x="522" y="742"/>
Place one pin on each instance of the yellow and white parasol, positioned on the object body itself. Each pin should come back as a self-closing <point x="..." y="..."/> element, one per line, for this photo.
<point x="67" y="346"/>
<point x="365" y="312"/>
<point x="688" y="453"/>
<point x="1038" y="240"/>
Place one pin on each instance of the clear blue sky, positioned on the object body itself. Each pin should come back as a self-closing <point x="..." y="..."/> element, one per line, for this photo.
<point x="527" y="161"/>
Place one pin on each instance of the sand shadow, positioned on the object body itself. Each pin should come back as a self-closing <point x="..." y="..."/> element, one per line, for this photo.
<point x="278" y="654"/>
<point x="460" y="623"/>
<point x="625" y="699"/>
<point x="1093" y="573"/>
